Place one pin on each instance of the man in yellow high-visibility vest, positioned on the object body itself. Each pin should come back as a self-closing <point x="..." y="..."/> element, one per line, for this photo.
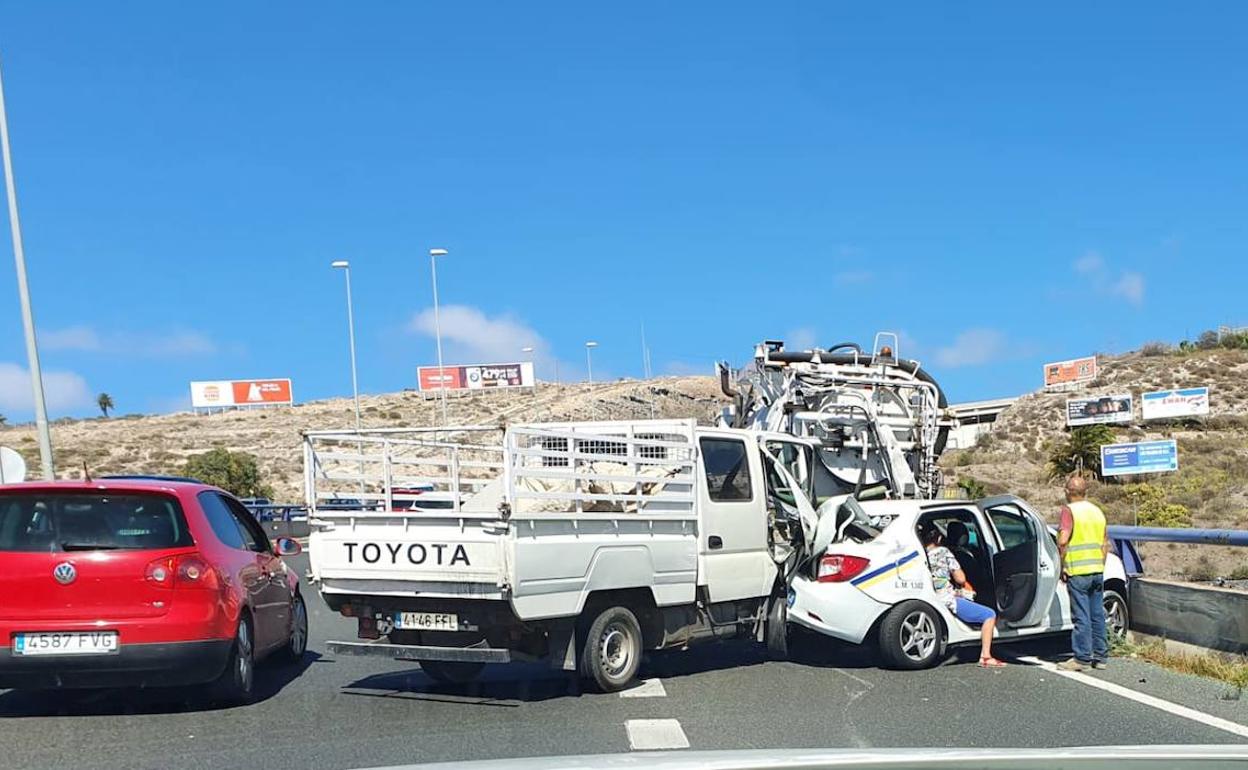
<point x="1082" y="545"/>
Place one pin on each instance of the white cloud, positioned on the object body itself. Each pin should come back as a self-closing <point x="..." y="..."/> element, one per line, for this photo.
<point x="1097" y="274"/>
<point x="471" y="336"/>
<point x="70" y="338"/>
<point x="972" y="348"/>
<point x="179" y="342"/>
<point x="62" y="391"/>
<point x="1129" y="286"/>
<point x="1090" y="263"/>
<point x="853" y="277"/>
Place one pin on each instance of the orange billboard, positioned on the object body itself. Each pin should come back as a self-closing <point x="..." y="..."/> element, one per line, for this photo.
<point x="223" y="393"/>
<point x="1070" y="372"/>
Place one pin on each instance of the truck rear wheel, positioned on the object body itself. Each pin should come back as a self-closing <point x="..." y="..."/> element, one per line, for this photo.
<point x="442" y="671"/>
<point x="611" y="652"/>
<point x="451" y="672"/>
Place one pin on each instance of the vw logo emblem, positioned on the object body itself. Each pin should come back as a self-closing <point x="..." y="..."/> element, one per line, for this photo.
<point x="65" y="573"/>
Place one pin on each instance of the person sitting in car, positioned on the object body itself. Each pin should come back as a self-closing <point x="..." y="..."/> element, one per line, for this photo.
<point x="957" y="593"/>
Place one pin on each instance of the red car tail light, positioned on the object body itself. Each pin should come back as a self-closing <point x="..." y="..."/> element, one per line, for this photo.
<point x="837" y="568"/>
<point x="161" y="571"/>
<point x="194" y="572"/>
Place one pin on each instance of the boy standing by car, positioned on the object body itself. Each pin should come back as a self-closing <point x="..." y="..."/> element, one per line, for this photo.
<point x="1082" y="545"/>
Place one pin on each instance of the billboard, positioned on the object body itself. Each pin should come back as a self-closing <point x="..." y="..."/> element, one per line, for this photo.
<point x="1090" y="411"/>
<point x="222" y="393"/>
<point x="1139" y="457"/>
<point x="477" y="376"/>
<point x="1070" y="372"/>
<point x="1175" y="403"/>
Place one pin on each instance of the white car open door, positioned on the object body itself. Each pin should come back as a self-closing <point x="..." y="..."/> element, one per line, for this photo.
<point x="1025" y="566"/>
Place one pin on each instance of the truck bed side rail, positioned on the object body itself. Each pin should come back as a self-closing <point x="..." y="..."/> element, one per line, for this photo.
<point x="644" y="468"/>
<point x="380" y="472"/>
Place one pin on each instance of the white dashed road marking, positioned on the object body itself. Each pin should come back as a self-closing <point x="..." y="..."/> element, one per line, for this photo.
<point x="1139" y="697"/>
<point x="655" y="734"/>
<point x="649" y="688"/>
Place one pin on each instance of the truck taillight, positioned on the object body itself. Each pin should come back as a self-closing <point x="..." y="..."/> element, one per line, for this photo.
<point x="837" y="568"/>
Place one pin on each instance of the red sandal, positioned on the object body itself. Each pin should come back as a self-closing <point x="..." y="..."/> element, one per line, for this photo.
<point x="991" y="662"/>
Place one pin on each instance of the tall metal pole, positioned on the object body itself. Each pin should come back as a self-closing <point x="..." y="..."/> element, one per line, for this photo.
<point x="589" y="363"/>
<point x="437" y="329"/>
<point x="23" y="292"/>
<point x="355" y="386"/>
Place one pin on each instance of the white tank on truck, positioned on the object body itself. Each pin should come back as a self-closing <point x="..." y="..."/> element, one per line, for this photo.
<point x="880" y="421"/>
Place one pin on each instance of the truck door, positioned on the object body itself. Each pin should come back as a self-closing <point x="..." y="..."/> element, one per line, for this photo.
<point x="1025" y="566"/>
<point x="733" y="536"/>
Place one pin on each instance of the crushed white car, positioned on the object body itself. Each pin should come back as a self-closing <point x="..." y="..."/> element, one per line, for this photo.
<point x="872" y="583"/>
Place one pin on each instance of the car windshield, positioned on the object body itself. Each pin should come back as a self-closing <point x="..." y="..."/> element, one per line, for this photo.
<point x="90" y="521"/>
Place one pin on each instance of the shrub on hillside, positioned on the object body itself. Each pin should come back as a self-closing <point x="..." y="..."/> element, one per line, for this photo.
<point x="1202" y="570"/>
<point x="1166" y="515"/>
<point x="236" y="472"/>
<point x="972" y="488"/>
<point x="1080" y="452"/>
<point x="1155" y="349"/>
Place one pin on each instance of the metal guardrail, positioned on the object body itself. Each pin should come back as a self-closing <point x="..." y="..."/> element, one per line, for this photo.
<point x="1236" y="537"/>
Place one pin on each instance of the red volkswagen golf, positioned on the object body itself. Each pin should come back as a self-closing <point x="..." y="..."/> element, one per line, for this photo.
<point x="140" y="583"/>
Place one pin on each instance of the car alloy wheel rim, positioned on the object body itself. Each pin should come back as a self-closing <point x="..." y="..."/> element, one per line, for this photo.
<point x="244" y="656"/>
<point x="918" y="636"/>
<point x="617" y="650"/>
<point x="1114" y="617"/>
<point x="299" y="633"/>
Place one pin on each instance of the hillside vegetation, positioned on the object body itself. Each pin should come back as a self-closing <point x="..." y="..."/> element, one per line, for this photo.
<point x="1210" y="489"/>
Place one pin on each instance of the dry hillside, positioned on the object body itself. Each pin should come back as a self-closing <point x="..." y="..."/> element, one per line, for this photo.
<point x="160" y="444"/>
<point x="1212" y="480"/>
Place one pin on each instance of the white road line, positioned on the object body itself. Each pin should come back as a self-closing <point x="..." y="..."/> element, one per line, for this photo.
<point x="1139" y="697"/>
<point x="649" y="688"/>
<point x="655" y="734"/>
<point x="857" y="679"/>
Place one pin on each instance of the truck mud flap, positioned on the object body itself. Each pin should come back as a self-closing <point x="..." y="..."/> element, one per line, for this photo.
<point x="419" y="652"/>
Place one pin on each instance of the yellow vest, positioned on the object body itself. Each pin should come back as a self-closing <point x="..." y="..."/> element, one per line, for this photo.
<point x="1083" y="552"/>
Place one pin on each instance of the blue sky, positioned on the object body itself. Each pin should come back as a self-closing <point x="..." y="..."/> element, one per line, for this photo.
<point x="1002" y="186"/>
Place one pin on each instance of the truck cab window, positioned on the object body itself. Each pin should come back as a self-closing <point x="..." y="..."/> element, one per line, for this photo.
<point x="727" y="470"/>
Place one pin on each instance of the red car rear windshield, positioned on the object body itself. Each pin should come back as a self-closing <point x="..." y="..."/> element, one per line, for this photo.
<point x="90" y="521"/>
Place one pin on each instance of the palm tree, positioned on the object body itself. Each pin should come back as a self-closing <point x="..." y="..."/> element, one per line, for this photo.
<point x="105" y="402"/>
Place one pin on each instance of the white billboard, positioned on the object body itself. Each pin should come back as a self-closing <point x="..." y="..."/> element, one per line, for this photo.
<point x="212" y="394"/>
<point x="477" y="376"/>
<point x="1186" y="402"/>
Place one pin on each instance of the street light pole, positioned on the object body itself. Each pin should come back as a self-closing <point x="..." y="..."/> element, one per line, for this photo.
<point x="345" y="266"/>
<point x="589" y="360"/>
<point x="437" y="328"/>
<point x="23" y="292"/>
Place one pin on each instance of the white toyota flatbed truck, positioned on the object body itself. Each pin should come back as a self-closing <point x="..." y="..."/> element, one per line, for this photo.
<point x="581" y="544"/>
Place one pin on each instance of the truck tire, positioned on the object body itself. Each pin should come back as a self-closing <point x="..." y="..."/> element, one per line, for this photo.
<point x="1117" y="614"/>
<point x="777" y="630"/>
<point x="911" y="636"/>
<point x="611" y="649"/>
<point x="451" y="672"/>
<point x="441" y="671"/>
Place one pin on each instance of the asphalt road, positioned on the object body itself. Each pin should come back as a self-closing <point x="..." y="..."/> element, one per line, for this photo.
<point x="362" y="712"/>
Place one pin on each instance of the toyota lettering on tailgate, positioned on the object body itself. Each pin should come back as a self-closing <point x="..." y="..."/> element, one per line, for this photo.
<point x="411" y="553"/>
